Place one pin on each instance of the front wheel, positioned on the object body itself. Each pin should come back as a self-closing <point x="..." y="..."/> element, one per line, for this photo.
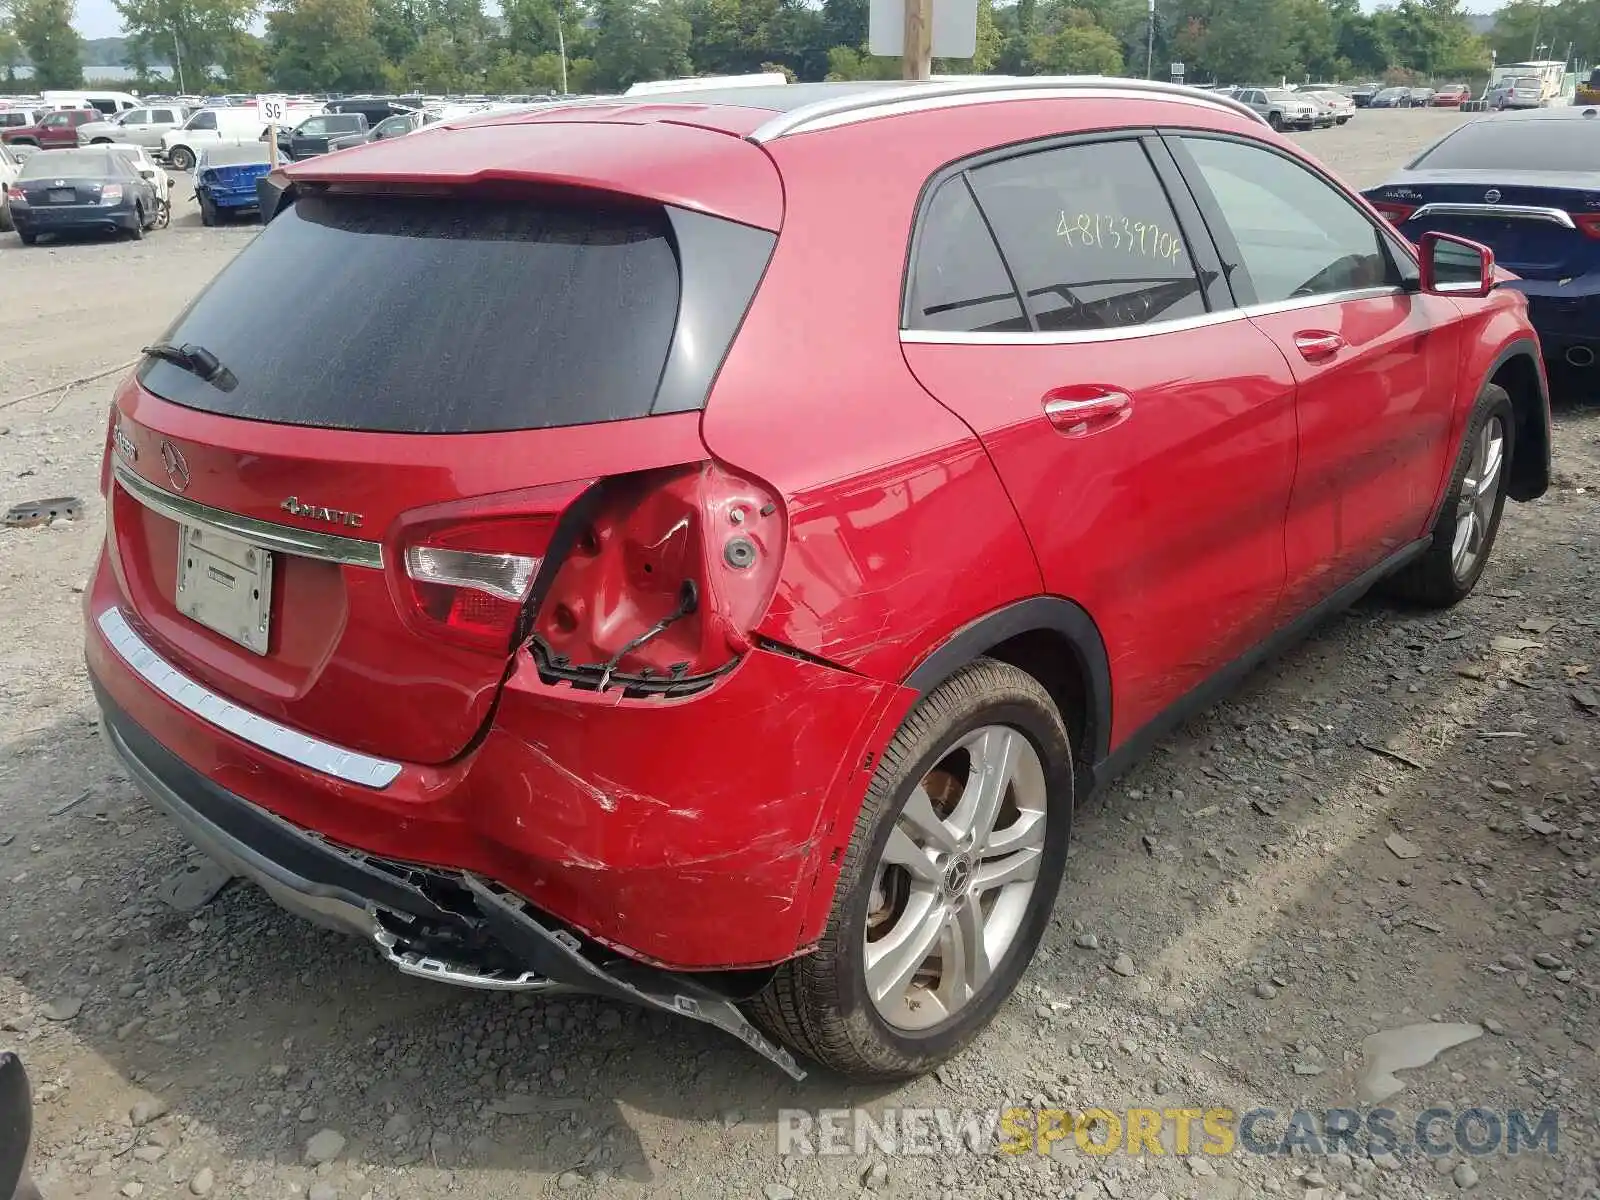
<point x="1464" y="531"/>
<point x="946" y="887"/>
<point x="182" y="158"/>
<point x="1276" y="121"/>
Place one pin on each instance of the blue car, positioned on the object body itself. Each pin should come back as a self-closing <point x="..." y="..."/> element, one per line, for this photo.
<point x="1527" y="185"/>
<point x="225" y="180"/>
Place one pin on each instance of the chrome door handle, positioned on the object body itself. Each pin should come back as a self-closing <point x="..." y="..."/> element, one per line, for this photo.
<point x="1075" y="413"/>
<point x="1317" y="344"/>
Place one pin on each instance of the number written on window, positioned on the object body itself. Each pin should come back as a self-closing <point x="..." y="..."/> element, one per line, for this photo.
<point x="1109" y="231"/>
<point x="1090" y="237"/>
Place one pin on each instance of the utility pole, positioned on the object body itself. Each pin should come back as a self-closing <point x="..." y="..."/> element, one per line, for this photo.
<point x="561" y="40"/>
<point x="917" y="55"/>
<point x="1150" y="44"/>
<point x="177" y="57"/>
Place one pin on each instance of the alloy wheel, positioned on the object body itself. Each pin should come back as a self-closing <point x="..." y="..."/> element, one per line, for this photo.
<point x="955" y="879"/>
<point x="1480" y="489"/>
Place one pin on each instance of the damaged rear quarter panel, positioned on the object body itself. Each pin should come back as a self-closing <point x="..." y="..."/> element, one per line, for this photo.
<point x="685" y="832"/>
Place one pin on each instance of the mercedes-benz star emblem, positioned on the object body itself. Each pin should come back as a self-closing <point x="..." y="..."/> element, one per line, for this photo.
<point x="1492" y="196"/>
<point x="177" y="468"/>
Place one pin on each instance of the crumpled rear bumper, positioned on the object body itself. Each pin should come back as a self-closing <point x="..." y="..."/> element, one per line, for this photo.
<point x="449" y="926"/>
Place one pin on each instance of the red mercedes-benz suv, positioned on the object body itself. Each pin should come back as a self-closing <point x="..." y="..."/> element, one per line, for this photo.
<point x="699" y="549"/>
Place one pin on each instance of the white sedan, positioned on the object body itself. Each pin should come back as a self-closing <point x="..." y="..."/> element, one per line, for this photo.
<point x="150" y="169"/>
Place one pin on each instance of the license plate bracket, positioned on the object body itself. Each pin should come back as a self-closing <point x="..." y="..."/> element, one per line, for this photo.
<point x="225" y="584"/>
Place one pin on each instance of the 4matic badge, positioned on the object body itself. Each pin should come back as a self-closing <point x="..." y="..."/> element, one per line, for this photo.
<point x="317" y="512"/>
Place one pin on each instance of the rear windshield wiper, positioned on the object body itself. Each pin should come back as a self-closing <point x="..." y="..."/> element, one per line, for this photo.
<point x="196" y="360"/>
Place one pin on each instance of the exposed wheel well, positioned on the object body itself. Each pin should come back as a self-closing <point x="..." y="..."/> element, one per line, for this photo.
<point x="1529" y="475"/>
<point x="1053" y="660"/>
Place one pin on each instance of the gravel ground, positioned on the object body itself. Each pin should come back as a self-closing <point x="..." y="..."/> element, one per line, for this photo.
<point x="1394" y="824"/>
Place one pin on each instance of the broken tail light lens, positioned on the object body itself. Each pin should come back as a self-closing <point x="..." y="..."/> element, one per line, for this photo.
<point x="664" y="583"/>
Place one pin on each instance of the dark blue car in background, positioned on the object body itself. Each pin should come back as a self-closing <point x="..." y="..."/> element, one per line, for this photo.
<point x="1527" y="185"/>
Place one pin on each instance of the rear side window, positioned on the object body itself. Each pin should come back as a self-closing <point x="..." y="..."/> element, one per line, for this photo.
<point x="437" y="316"/>
<point x="1090" y="236"/>
<point x="1297" y="235"/>
<point x="1518" y="144"/>
<point x="959" y="284"/>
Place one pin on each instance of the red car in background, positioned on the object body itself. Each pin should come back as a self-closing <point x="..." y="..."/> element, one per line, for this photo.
<point x="55" y="130"/>
<point x="1452" y="95"/>
<point x="785" y="506"/>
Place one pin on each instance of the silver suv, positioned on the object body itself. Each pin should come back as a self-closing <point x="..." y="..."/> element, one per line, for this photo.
<point x="1282" y="109"/>
<point x="136" y="127"/>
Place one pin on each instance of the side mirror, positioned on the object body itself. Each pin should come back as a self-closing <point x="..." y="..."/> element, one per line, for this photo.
<point x="1454" y="266"/>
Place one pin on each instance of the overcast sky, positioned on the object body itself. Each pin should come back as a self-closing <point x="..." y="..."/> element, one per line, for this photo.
<point x="97" y="18"/>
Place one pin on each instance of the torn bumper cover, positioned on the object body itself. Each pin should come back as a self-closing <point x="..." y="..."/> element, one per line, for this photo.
<point x="450" y="926"/>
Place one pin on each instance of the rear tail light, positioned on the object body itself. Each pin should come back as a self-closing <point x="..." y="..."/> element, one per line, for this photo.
<point x="111" y="193"/>
<point x="1588" y="222"/>
<point x="465" y="574"/>
<point x="664" y="583"/>
<point x="648" y="583"/>
<point x="1395" y="214"/>
<point x="16" y="195"/>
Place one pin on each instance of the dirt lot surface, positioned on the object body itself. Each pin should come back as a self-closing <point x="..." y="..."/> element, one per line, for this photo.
<point x="1397" y="823"/>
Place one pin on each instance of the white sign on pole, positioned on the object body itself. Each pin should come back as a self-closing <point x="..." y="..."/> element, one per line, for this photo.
<point x="955" y="28"/>
<point x="272" y="110"/>
<point x="1177" y="69"/>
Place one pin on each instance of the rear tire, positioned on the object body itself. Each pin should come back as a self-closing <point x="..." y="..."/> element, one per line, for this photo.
<point x="928" y="875"/>
<point x="1464" y="532"/>
<point x="136" y="234"/>
<point x="182" y="158"/>
<point x="5" y="214"/>
<point x="208" y="211"/>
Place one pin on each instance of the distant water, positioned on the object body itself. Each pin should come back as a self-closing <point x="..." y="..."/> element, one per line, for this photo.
<point x="91" y="74"/>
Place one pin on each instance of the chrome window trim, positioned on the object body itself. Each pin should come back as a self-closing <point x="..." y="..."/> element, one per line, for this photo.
<point x="306" y="543"/>
<point x="872" y="103"/>
<point x="349" y="765"/>
<point x="1076" y="337"/>
<point x="1527" y="212"/>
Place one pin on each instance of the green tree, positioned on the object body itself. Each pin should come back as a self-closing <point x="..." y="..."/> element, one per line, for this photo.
<point x="1079" y="47"/>
<point x="324" y="44"/>
<point x="43" y="28"/>
<point x="638" y="40"/>
<point x="196" y="35"/>
<point x="10" y="47"/>
<point x="852" y="62"/>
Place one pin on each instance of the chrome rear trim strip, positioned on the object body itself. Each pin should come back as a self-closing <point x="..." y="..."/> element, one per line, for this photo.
<point x="297" y="747"/>
<point x="1525" y="212"/>
<point x="306" y="543"/>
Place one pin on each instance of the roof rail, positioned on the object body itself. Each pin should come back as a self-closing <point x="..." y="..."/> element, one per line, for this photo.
<point x="910" y="97"/>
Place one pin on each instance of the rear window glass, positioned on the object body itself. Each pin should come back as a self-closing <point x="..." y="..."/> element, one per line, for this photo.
<point x="436" y="316"/>
<point x="1543" y="144"/>
<point x="69" y="162"/>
